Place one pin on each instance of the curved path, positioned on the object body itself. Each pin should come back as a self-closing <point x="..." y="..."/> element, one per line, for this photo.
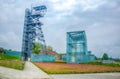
<point x="30" y="72"/>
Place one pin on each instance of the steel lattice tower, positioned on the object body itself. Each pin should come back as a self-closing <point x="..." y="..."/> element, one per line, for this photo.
<point x="32" y="29"/>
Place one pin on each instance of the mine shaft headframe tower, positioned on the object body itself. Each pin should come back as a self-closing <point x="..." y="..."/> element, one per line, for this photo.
<point x="32" y="29"/>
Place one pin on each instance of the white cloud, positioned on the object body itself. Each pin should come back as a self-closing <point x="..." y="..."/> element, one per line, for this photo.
<point x="91" y="4"/>
<point x="99" y="18"/>
<point x="63" y="4"/>
<point x="10" y="40"/>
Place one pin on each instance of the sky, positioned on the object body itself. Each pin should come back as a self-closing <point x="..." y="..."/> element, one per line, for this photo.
<point x="99" y="18"/>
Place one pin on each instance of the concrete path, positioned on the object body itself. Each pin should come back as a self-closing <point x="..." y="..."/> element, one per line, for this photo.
<point x="88" y="76"/>
<point x="30" y="72"/>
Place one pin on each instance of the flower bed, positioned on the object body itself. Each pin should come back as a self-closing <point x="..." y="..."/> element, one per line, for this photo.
<point x="63" y="68"/>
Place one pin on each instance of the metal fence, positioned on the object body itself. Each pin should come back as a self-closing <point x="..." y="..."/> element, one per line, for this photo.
<point x="42" y="58"/>
<point x="13" y="53"/>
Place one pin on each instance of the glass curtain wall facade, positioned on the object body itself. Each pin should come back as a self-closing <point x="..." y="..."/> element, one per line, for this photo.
<point x="91" y="57"/>
<point x="77" y="47"/>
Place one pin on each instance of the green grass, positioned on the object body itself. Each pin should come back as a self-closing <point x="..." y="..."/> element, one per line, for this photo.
<point x="15" y="64"/>
<point x="5" y="57"/>
<point x="11" y="62"/>
<point x="100" y="63"/>
<point x="60" y="61"/>
<point x="116" y="62"/>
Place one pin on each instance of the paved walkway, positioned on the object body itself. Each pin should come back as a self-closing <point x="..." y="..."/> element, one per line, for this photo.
<point x="30" y="72"/>
<point x="88" y="76"/>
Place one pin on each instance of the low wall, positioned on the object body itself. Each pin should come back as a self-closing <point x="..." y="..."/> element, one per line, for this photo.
<point x="107" y="61"/>
<point x="42" y="58"/>
<point x="13" y="53"/>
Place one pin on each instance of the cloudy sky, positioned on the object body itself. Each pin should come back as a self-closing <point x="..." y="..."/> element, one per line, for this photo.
<point x="99" y="18"/>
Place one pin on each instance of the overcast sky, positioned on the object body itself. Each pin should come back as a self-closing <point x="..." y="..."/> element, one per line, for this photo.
<point x="99" y="18"/>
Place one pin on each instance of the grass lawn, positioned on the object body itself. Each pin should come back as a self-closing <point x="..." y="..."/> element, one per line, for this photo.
<point x="5" y="57"/>
<point x="117" y="62"/>
<point x="63" y="68"/>
<point x="11" y="62"/>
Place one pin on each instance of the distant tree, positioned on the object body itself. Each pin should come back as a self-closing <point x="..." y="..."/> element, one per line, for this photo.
<point x="96" y="58"/>
<point x="37" y="47"/>
<point x="49" y="47"/>
<point x="105" y="56"/>
<point x="10" y="49"/>
<point x="2" y="50"/>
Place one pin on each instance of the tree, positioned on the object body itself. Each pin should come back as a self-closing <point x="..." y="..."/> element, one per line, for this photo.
<point x="105" y="56"/>
<point x="96" y="58"/>
<point x="37" y="47"/>
<point x="49" y="47"/>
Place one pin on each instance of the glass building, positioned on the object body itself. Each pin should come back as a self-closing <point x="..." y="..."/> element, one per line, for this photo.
<point x="91" y="57"/>
<point x="77" y="47"/>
